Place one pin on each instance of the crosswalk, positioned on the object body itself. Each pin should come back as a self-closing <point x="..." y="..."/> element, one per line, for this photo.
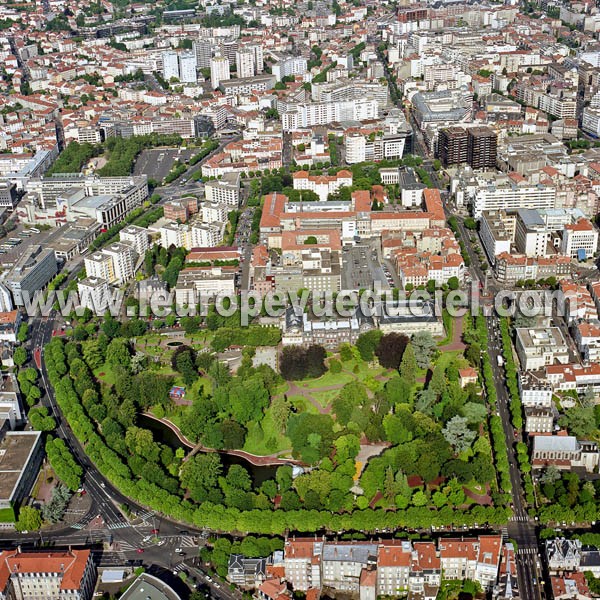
<point x="521" y="518"/>
<point x="505" y="533"/>
<point x="187" y="541"/>
<point x="180" y="567"/>
<point x="82" y="524"/>
<point x="144" y="516"/>
<point x="123" y="546"/>
<point x="527" y="551"/>
<point x="118" y="525"/>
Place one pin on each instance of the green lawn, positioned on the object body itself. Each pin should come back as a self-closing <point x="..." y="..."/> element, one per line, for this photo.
<point x="448" y="326"/>
<point x="105" y="374"/>
<point x="204" y="384"/>
<point x="326" y="380"/>
<point x="302" y="404"/>
<point x="265" y="439"/>
<point x="445" y="358"/>
<point x="325" y="398"/>
<point x="364" y="369"/>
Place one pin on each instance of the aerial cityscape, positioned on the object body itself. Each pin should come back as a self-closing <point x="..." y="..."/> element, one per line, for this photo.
<point x="299" y="300"/>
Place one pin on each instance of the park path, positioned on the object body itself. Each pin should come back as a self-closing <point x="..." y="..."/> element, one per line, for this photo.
<point x="295" y="390"/>
<point x="456" y="343"/>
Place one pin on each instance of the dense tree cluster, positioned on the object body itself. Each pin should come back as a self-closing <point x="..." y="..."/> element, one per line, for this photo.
<point x="63" y="463"/>
<point x="222" y="420"/>
<point x="565" y="497"/>
<point x="298" y="362"/>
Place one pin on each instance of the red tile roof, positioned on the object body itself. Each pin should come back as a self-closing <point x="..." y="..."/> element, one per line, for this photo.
<point x="72" y="564"/>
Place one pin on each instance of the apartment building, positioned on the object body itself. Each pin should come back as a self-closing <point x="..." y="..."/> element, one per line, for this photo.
<point x="453" y="146"/>
<point x="531" y="233"/>
<point x="176" y="234"/>
<point x="195" y="284"/>
<point x="246" y="572"/>
<point x="520" y="194"/>
<point x="100" y="266"/>
<point x="52" y="575"/>
<point x="10" y="405"/>
<point x="490" y="191"/>
<point x="360" y="147"/>
<point x="219" y="71"/>
<point x="394" y="561"/>
<point x="247" y="85"/>
<point x="9" y="325"/>
<point x="322" y="185"/>
<point x="94" y="294"/>
<point x="578" y="302"/>
<point x="123" y="259"/>
<point x="538" y="419"/>
<point x="291" y="65"/>
<point x="477" y="559"/>
<point x="225" y="190"/>
<point x="580" y="240"/>
<point x="301" y="116"/>
<point x="511" y="268"/>
<point x="211" y="212"/>
<point x="244" y="63"/>
<point x="136" y="237"/>
<point x="302" y="563"/>
<point x="534" y="392"/>
<point x="586" y="336"/>
<point x="8" y="195"/>
<point x="392" y="567"/>
<point x="497" y="233"/>
<point x="342" y="564"/>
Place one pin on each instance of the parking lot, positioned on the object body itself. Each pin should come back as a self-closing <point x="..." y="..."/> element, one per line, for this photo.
<point x="157" y="162"/>
<point x="13" y="245"/>
<point x="360" y="269"/>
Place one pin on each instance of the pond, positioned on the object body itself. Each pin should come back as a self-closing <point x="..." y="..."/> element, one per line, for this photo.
<point x="174" y="344"/>
<point x="165" y="435"/>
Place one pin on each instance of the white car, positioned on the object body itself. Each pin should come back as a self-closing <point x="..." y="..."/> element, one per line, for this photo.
<point x="147" y="538"/>
<point x="178" y="550"/>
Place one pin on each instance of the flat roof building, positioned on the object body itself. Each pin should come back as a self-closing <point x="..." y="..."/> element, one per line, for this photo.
<point x="32" y="272"/>
<point x="538" y="347"/>
<point x="21" y="454"/>
<point x="148" y="587"/>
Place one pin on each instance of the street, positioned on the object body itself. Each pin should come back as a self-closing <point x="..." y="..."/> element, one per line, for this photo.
<point x="521" y="528"/>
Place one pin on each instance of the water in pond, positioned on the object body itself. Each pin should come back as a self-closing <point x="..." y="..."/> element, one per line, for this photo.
<point x="165" y="435"/>
<point x="174" y="344"/>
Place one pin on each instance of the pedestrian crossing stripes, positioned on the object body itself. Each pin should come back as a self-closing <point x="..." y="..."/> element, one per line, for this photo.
<point x="527" y="551"/>
<point x="179" y="567"/>
<point x="505" y="532"/>
<point x="126" y="547"/>
<point x="146" y="515"/>
<point x="119" y="525"/>
<point x="81" y="524"/>
<point x="187" y="541"/>
<point x="522" y="518"/>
